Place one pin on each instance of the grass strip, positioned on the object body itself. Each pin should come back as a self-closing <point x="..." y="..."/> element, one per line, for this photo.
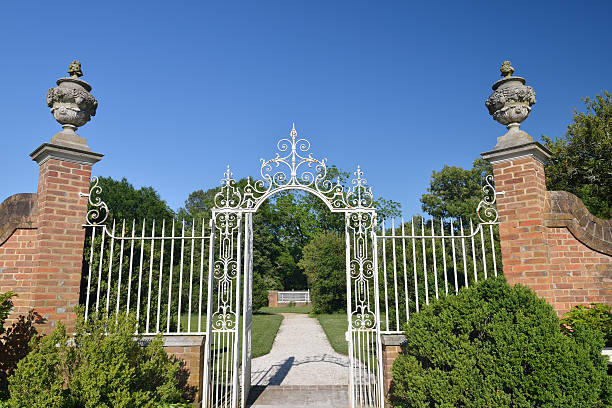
<point x="265" y="328"/>
<point x="287" y="309"/>
<point x="335" y="326"/>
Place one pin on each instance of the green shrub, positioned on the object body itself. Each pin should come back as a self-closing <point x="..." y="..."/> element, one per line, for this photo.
<point x="323" y="261"/>
<point x="15" y="345"/>
<point x="497" y="346"/>
<point x="6" y="305"/>
<point x="597" y="316"/>
<point x="102" y="366"/>
<point x="260" y="292"/>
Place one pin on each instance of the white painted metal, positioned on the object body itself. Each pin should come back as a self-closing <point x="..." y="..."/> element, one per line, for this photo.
<point x="302" y="296"/>
<point x="247" y="310"/>
<point x="143" y="293"/>
<point x="433" y="254"/>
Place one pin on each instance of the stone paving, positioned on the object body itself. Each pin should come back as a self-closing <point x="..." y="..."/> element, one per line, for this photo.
<point x="301" y="370"/>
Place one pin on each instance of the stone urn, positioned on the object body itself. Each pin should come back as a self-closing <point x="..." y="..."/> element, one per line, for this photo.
<point x="510" y="104"/>
<point x="71" y="104"/>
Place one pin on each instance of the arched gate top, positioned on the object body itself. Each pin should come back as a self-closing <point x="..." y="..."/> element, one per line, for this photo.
<point x="294" y="168"/>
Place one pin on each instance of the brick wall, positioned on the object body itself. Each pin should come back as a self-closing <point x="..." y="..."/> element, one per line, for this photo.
<point x="17" y="269"/>
<point x="549" y="240"/>
<point x="391" y="348"/>
<point x="578" y="275"/>
<point x="42" y="236"/>
<point x="390" y="353"/>
<point x="580" y="253"/>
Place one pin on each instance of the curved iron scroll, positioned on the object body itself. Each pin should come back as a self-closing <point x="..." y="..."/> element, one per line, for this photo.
<point x="293" y="167"/>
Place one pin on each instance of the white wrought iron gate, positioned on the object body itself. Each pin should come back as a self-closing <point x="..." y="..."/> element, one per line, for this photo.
<point x="231" y="251"/>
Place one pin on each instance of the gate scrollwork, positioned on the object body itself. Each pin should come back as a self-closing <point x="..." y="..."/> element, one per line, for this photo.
<point x="225" y="270"/>
<point x="293" y="167"/>
<point x="361" y="269"/>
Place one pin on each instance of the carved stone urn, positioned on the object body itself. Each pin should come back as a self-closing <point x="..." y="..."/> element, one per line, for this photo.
<point x="510" y="104"/>
<point x="71" y="105"/>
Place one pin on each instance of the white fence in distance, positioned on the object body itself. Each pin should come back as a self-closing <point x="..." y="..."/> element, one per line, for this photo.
<point x="294" y="296"/>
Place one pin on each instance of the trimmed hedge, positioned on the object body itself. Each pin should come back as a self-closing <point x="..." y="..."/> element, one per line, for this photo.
<point x="102" y="366"/>
<point x="494" y="345"/>
<point x="597" y="316"/>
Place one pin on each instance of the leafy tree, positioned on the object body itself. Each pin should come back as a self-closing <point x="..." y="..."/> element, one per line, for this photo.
<point x="125" y="202"/>
<point x="582" y="159"/>
<point x="323" y="260"/>
<point x="494" y="345"/>
<point x="455" y="192"/>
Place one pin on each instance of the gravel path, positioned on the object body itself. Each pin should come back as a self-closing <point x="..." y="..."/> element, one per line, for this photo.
<point x="301" y="355"/>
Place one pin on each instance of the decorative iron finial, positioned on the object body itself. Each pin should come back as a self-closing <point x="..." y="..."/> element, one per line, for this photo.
<point x="74" y="70"/>
<point x="227" y="176"/>
<point x="506" y="69"/>
<point x="293" y="131"/>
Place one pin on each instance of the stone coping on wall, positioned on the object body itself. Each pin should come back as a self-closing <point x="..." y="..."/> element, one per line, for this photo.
<point x="393" y="339"/>
<point x="180" y="340"/>
<point x="17" y="211"/>
<point x="564" y="209"/>
<point x="55" y="151"/>
<point x="530" y="149"/>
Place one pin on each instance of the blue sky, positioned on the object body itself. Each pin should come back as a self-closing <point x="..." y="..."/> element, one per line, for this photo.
<point x="186" y="88"/>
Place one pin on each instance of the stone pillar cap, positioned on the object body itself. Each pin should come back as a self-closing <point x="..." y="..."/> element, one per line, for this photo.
<point x="531" y="149"/>
<point x="55" y="151"/>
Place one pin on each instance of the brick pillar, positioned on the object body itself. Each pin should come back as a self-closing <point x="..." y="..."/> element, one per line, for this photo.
<point x="65" y="172"/>
<point x="189" y="349"/>
<point x="391" y="348"/>
<point x="521" y="201"/>
<point x="273" y="298"/>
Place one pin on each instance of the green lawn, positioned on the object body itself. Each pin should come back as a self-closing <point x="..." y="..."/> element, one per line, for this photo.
<point x="335" y="326"/>
<point x="268" y="320"/>
<point x="265" y="327"/>
<point x="287" y="309"/>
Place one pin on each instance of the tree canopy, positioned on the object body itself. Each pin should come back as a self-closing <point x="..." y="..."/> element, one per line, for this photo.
<point x="125" y="202"/>
<point x="455" y="192"/>
<point x="283" y="227"/>
<point x="582" y="158"/>
<point x="323" y="262"/>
